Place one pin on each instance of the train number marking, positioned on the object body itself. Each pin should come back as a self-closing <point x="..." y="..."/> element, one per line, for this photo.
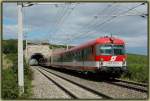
<point x="113" y="58"/>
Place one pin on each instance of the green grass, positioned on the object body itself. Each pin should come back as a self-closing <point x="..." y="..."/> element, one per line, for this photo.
<point x="10" y="46"/>
<point x="58" y="46"/>
<point x="28" y="79"/>
<point x="137" y="68"/>
<point x="10" y="82"/>
<point x="10" y="74"/>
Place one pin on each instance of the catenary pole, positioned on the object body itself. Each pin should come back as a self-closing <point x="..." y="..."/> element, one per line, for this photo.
<point x="20" y="50"/>
<point x="20" y="44"/>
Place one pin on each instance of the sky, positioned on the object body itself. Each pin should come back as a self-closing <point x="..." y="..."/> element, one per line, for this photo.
<point x="77" y="23"/>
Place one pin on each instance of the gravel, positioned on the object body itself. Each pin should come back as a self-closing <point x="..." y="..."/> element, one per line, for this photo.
<point x="43" y="88"/>
<point x="74" y="89"/>
<point x="111" y="90"/>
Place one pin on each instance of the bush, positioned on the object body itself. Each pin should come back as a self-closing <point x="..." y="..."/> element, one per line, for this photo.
<point x="11" y="46"/>
<point x="9" y="81"/>
<point x="52" y="46"/>
<point x="9" y="75"/>
<point x="9" y="84"/>
<point x="27" y="78"/>
<point x="137" y="67"/>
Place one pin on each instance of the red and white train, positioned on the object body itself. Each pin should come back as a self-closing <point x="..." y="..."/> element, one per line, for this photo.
<point x="105" y="54"/>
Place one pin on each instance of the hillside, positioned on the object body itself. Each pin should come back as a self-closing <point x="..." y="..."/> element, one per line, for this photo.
<point x="10" y="46"/>
<point x="58" y="46"/>
<point x="9" y="72"/>
<point x="7" y="63"/>
<point x="137" y="68"/>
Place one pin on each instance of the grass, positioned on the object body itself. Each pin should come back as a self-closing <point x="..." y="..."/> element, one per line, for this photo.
<point x="137" y="68"/>
<point x="7" y="62"/>
<point x="10" y="73"/>
<point x="27" y="78"/>
<point x="9" y="80"/>
<point x="52" y="46"/>
<point x="9" y="84"/>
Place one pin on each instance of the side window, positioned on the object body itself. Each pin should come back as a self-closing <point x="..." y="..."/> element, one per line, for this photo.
<point x="85" y="53"/>
<point x="97" y="50"/>
<point x="80" y="55"/>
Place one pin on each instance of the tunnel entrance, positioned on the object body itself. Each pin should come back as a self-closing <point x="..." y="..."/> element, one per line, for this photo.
<point x="36" y="59"/>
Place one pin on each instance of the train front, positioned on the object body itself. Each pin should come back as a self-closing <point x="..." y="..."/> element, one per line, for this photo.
<point x="110" y="56"/>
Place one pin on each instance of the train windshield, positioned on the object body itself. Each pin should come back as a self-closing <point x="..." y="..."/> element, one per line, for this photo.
<point x="118" y="50"/>
<point x="105" y="49"/>
<point x="110" y="50"/>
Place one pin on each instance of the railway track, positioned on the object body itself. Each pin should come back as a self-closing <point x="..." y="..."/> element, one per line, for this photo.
<point x="141" y="90"/>
<point x="73" y="89"/>
<point x="131" y="82"/>
<point x="130" y="85"/>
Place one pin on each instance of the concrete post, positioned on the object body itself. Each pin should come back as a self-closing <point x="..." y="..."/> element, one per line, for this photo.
<point x="20" y="50"/>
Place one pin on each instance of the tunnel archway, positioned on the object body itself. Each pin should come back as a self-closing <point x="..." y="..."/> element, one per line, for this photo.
<point x="36" y="59"/>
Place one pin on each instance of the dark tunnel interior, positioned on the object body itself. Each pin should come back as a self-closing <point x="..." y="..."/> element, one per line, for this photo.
<point x="37" y="56"/>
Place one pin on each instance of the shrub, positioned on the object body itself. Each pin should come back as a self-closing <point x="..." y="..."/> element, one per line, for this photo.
<point x="137" y="68"/>
<point x="9" y="75"/>
<point x="9" y="84"/>
<point x="10" y="46"/>
<point x="9" y="80"/>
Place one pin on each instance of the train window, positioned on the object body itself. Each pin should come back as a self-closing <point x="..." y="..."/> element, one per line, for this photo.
<point x="86" y="53"/>
<point x="118" y="49"/>
<point x="104" y="49"/>
<point x="110" y="49"/>
<point x="92" y="49"/>
<point x="81" y="56"/>
<point x="107" y="50"/>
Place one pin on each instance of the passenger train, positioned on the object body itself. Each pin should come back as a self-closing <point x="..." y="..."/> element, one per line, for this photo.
<point x="102" y="55"/>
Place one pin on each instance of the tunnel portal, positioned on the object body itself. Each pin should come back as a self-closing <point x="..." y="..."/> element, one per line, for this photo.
<point x="36" y="59"/>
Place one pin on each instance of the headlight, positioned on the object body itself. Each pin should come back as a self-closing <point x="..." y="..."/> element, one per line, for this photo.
<point x="101" y="61"/>
<point x="124" y="62"/>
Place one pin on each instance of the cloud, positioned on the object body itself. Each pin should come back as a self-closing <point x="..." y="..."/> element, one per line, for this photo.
<point x="136" y="41"/>
<point x="10" y="11"/>
<point x="10" y="31"/>
<point x="57" y="23"/>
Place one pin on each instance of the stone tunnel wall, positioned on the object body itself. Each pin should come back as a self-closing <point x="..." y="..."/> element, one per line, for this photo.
<point x="32" y="49"/>
<point x="42" y="49"/>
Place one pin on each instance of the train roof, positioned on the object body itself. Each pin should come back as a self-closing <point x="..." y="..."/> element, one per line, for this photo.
<point x="101" y="40"/>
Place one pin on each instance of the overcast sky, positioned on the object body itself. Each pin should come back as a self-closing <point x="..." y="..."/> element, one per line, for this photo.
<point x="80" y="22"/>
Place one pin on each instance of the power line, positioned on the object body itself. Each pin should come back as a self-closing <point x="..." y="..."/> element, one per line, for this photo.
<point x="94" y="21"/>
<point x="66" y="16"/>
<point x="60" y="13"/>
<point x="108" y="20"/>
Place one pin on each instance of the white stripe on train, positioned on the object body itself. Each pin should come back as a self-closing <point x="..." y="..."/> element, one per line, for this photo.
<point x="90" y="64"/>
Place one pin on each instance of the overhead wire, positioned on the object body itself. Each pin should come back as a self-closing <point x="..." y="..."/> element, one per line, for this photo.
<point x="66" y="16"/>
<point x="91" y="23"/>
<point x="94" y="19"/>
<point x="108" y="20"/>
<point x="59" y="14"/>
<point x="106" y="9"/>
